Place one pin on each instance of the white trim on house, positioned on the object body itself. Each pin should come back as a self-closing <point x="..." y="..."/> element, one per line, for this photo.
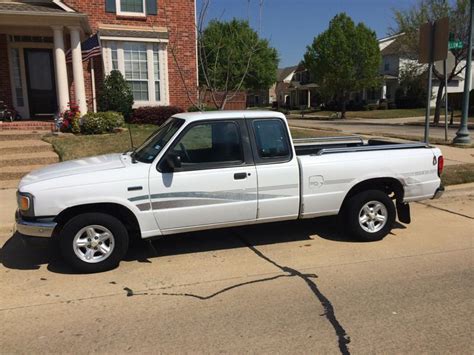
<point x="63" y="6"/>
<point x="129" y="13"/>
<point x="133" y="39"/>
<point x="163" y="67"/>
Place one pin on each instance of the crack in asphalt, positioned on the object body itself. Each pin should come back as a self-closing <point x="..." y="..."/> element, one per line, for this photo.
<point x="446" y="210"/>
<point x="342" y="337"/>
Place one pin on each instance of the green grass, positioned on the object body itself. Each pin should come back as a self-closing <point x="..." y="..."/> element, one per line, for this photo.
<point x="458" y="174"/>
<point x="71" y="146"/>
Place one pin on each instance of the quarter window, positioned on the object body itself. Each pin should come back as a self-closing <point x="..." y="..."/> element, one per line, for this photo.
<point x="210" y="143"/>
<point x="271" y="139"/>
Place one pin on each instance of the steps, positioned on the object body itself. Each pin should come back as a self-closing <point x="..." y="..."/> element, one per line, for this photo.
<point x="28" y="125"/>
<point x="21" y="152"/>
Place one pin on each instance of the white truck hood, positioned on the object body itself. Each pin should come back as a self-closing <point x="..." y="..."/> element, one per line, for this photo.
<point x="74" y="167"/>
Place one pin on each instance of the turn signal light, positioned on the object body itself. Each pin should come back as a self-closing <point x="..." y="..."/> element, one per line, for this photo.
<point x="24" y="203"/>
<point x="440" y="165"/>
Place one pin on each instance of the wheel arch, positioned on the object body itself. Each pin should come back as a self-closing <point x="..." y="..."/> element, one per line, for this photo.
<point x="123" y="213"/>
<point x="389" y="185"/>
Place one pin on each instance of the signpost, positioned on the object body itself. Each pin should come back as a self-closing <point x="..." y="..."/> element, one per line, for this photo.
<point x="434" y="37"/>
<point x="462" y="135"/>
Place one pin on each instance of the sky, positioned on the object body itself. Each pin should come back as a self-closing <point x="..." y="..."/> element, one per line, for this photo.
<point x="291" y="25"/>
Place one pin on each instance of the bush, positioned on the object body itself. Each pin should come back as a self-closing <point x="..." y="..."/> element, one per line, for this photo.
<point x="372" y="107"/>
<point x="203" y="108"/>
<point x="382" y="106"/>
<point x="154" y="114"/>
<point x="116" y="95"/>
<point x="101" y="122"/>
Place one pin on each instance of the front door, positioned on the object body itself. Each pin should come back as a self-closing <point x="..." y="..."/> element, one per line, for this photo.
<point x="40" y="80"/>
<point x="216" y="184"/>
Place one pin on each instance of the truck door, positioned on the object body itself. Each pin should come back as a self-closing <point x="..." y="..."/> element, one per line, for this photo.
<point x="277" y="170"/>
<point x="216" y="183"/>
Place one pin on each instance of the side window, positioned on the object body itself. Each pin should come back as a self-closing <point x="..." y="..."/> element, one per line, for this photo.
<point x="271" y="139"/>
<point x="210" y="143"/>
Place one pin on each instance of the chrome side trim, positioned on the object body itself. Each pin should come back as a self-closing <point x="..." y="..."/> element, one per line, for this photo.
<point x="34" y="229"/>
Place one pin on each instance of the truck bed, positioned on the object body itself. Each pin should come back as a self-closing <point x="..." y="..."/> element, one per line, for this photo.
<point x="342" y="144"/>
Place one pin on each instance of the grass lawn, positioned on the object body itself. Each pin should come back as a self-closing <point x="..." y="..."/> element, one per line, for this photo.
<point x="79" y="146"/>
<point x="458" y="174"/>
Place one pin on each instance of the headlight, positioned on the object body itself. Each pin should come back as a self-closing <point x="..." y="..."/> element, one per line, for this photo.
<point x="25" y="201"/>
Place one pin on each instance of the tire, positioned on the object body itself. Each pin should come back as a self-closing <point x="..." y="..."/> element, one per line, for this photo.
<point x="93" y="242"/>
<point x="369" y="215"/>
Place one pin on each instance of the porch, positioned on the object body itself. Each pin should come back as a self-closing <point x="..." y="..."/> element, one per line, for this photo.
<point x="34" y="39"/>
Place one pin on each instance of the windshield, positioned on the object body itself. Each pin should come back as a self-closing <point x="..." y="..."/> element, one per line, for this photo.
<point x="148" y="151"/>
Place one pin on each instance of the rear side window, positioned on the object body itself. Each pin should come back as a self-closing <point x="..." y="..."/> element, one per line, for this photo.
<point x="271" y="139"/>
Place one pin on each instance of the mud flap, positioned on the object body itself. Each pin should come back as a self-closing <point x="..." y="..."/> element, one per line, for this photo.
<point x="403" y="212"/>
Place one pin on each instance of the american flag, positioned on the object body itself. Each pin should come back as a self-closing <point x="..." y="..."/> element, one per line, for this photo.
<point x="90" y="48"/>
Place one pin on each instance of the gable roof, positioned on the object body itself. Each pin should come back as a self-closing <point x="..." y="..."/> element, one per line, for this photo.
<point x="282" y="73"/>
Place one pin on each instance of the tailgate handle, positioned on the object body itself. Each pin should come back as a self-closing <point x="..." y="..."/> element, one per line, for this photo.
<point x="240" y="176"/>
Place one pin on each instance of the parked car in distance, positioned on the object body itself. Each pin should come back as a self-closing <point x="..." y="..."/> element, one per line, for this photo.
<point x="219" y="169"/>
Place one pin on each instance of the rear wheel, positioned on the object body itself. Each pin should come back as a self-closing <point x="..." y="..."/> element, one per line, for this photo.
<point x="93" y="242"/>
<point x="370" y="215"/>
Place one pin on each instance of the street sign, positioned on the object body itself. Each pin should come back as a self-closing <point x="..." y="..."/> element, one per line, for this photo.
<point x="434" y="41"/>
<point x="455" y="45"/>
<point x="450" y="62"/>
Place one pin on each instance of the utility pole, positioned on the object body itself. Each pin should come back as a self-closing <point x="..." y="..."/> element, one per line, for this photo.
<point x="462" y="135"/>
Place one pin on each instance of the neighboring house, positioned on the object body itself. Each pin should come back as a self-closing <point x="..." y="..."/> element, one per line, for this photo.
<point x="393" y="63"/>
<point x="282" y="91"/>
<point x="303" y="92"/>
<point x="257" y="98"/>
<point x="141" y="38"/>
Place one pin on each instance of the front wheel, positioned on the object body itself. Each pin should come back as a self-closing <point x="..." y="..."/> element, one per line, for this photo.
<point x="93" y="242"/>
<point x="370" y="215"/>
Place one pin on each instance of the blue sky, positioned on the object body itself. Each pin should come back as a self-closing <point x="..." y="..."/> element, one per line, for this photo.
<point x="291" y="25"/>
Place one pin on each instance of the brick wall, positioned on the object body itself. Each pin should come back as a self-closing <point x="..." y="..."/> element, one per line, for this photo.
<point x="5" y="84"/>
<point x="178" y="17"/>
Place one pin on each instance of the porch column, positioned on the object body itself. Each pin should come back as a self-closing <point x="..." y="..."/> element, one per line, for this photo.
<point x="364" y="94"/>
<point x="384" y="91"/>
<point x="62" y="87"/>
<point x="309" y="98"/>
<point x="77" y="70"/>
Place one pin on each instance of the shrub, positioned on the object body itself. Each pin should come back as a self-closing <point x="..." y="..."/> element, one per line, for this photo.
<point x="116" y="95"/>
<point x="154" y="114"/>
<point x="203" y="108"/>
<point x="372" y="107"/>
<point x="382" y="106"/>
<point x="101" y="122"/>
<point x="69" y="120"/>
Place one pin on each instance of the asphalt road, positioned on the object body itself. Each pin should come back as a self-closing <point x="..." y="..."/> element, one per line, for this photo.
<point x="383" y="126"/>
<point x="282" y="288"/>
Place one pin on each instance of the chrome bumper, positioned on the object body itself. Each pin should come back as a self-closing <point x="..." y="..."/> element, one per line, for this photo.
<point x="439" y="192"/>
<point x="34" y="229"/>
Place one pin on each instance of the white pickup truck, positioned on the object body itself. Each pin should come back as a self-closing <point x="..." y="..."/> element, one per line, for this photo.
<point x="212" y="170"/>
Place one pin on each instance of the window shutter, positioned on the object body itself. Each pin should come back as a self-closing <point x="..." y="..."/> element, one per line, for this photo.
<point x="110" y="6"/>
<point x="151" y="7"/>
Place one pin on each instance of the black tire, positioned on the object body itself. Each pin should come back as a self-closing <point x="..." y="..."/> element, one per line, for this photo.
<point x="353" y="210"/>
<point x="119" y="240"/>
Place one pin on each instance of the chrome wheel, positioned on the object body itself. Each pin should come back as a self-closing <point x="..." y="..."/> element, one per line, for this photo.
<point x="373" y="216"/>
<point x="93" y="244"/>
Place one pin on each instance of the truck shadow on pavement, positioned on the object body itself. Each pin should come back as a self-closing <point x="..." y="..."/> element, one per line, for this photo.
<point x="24" y="253"/>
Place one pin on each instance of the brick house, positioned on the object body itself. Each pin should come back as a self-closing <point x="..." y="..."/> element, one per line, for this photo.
<point x="152" y="42"/>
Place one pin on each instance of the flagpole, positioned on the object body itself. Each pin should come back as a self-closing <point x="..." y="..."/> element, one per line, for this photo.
<point x="94" y="101"/>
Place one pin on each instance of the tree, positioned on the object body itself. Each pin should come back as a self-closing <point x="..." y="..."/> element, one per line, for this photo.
<point x="411" y="92"/>
<point x="232" y="58"/>
<point x="343" y="59"/>
<point x="409" y="21"/>
<point x="116" y="95"/>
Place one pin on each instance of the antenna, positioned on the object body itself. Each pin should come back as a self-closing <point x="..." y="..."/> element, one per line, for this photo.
<point x="131" y="138"/>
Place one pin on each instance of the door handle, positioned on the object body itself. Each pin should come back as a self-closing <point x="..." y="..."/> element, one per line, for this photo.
<point x="240" y="176"/>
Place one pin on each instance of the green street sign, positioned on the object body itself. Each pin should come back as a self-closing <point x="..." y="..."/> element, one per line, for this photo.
<point x="455" y="45"/>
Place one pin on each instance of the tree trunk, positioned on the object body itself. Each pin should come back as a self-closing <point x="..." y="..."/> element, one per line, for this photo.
<point x="439" y="100"/>
<point x="224" y="101"/>
<point x="343" y="108"/>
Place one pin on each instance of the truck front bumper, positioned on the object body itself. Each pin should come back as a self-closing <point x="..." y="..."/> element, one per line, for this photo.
<point x="38" y="228"/>
<point x="439" y="192"/>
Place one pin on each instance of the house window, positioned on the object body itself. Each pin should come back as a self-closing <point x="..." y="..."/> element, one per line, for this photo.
<point x="131" y="7"/>
<point x="386" y="66"/>
<point x="143" y="65"/>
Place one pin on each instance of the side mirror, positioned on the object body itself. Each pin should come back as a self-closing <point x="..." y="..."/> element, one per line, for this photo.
<point x="171" y="162"/>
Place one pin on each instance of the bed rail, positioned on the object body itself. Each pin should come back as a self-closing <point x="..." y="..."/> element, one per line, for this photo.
<point x="368" y="148"/>
<point x="326" y="140"/>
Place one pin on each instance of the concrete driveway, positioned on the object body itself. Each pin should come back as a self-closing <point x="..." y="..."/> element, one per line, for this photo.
<point x="282" y="288"/>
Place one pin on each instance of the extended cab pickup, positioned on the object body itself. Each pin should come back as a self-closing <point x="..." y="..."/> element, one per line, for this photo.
<point x="212" y="170"/>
